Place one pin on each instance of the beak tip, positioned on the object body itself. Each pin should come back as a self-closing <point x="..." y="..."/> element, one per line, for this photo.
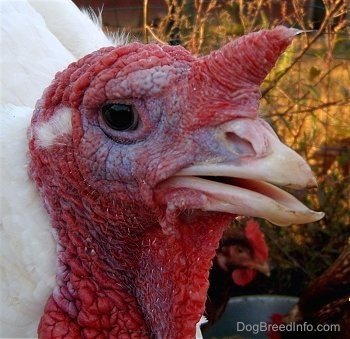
<point x="267" y="271"/>
<point x="312" y="183"/>
<point x="263" y="268"/>
<point x="296" y="31"/>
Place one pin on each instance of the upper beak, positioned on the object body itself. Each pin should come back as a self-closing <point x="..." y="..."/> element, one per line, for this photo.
<point x="262" y="267"/>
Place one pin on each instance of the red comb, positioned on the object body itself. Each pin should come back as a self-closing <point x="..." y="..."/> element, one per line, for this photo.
<point x="256" y="237"/>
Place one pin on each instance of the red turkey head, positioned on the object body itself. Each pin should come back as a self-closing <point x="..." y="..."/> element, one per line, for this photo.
<point x="143" y="154"/>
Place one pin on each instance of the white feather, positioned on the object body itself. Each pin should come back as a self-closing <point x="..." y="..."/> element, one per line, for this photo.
<point x="60" y="125"/>
<point x="202" y="320"/>
<point x="27" y="249"/>
<point x="30" y="56"/>
<point x="77" y="32"/>
<point x="39" y="38"/>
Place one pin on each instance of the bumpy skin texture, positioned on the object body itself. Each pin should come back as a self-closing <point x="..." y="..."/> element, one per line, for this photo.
<point x="133" y="262"/>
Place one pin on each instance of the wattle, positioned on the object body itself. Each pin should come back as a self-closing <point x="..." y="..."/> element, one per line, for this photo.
<point x="243" y="276"/>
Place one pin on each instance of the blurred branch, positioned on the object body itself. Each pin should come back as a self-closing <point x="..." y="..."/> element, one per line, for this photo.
<point x="145" y="19"/>
<point x="289" y="111"/>
<point x="200" y="20"/>
<point x="329" y="15"/>
<point x="255" y="17"/>
<point x="311" y="109"/>
<point x="149" y="29"/>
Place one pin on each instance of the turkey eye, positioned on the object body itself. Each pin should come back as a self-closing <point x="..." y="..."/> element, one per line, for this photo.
<point x="120" y="117"/>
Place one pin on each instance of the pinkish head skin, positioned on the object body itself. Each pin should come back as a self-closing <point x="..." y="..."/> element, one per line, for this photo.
<point x="135" y="234"/>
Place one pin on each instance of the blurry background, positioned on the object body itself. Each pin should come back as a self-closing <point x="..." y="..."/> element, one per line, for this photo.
<point x="306" y="99"/>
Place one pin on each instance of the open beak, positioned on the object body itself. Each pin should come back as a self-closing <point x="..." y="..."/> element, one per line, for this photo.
<point x="244" y="187"/>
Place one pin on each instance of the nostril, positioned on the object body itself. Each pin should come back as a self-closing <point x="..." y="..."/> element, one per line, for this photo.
<point x="238" y="145"/>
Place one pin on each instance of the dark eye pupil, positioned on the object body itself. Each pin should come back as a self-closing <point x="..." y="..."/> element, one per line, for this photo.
<point x="120" y="117"/>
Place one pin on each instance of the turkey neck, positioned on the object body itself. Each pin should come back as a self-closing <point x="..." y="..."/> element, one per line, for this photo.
<point x="172" y="280"/>
<point x="96" y="264"/>
<point x="127" y="277"/>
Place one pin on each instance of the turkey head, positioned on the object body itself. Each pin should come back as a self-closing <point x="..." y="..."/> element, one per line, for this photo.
<point x="143" y="154"/>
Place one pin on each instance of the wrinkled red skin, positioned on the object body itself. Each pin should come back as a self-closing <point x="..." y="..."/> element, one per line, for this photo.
<point x="133" y="262"/>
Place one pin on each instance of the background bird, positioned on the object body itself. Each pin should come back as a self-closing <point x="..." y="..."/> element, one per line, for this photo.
<point x="325" y="302"/>
<point x="240" y="255"/>
<point x="136" y="159"/>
